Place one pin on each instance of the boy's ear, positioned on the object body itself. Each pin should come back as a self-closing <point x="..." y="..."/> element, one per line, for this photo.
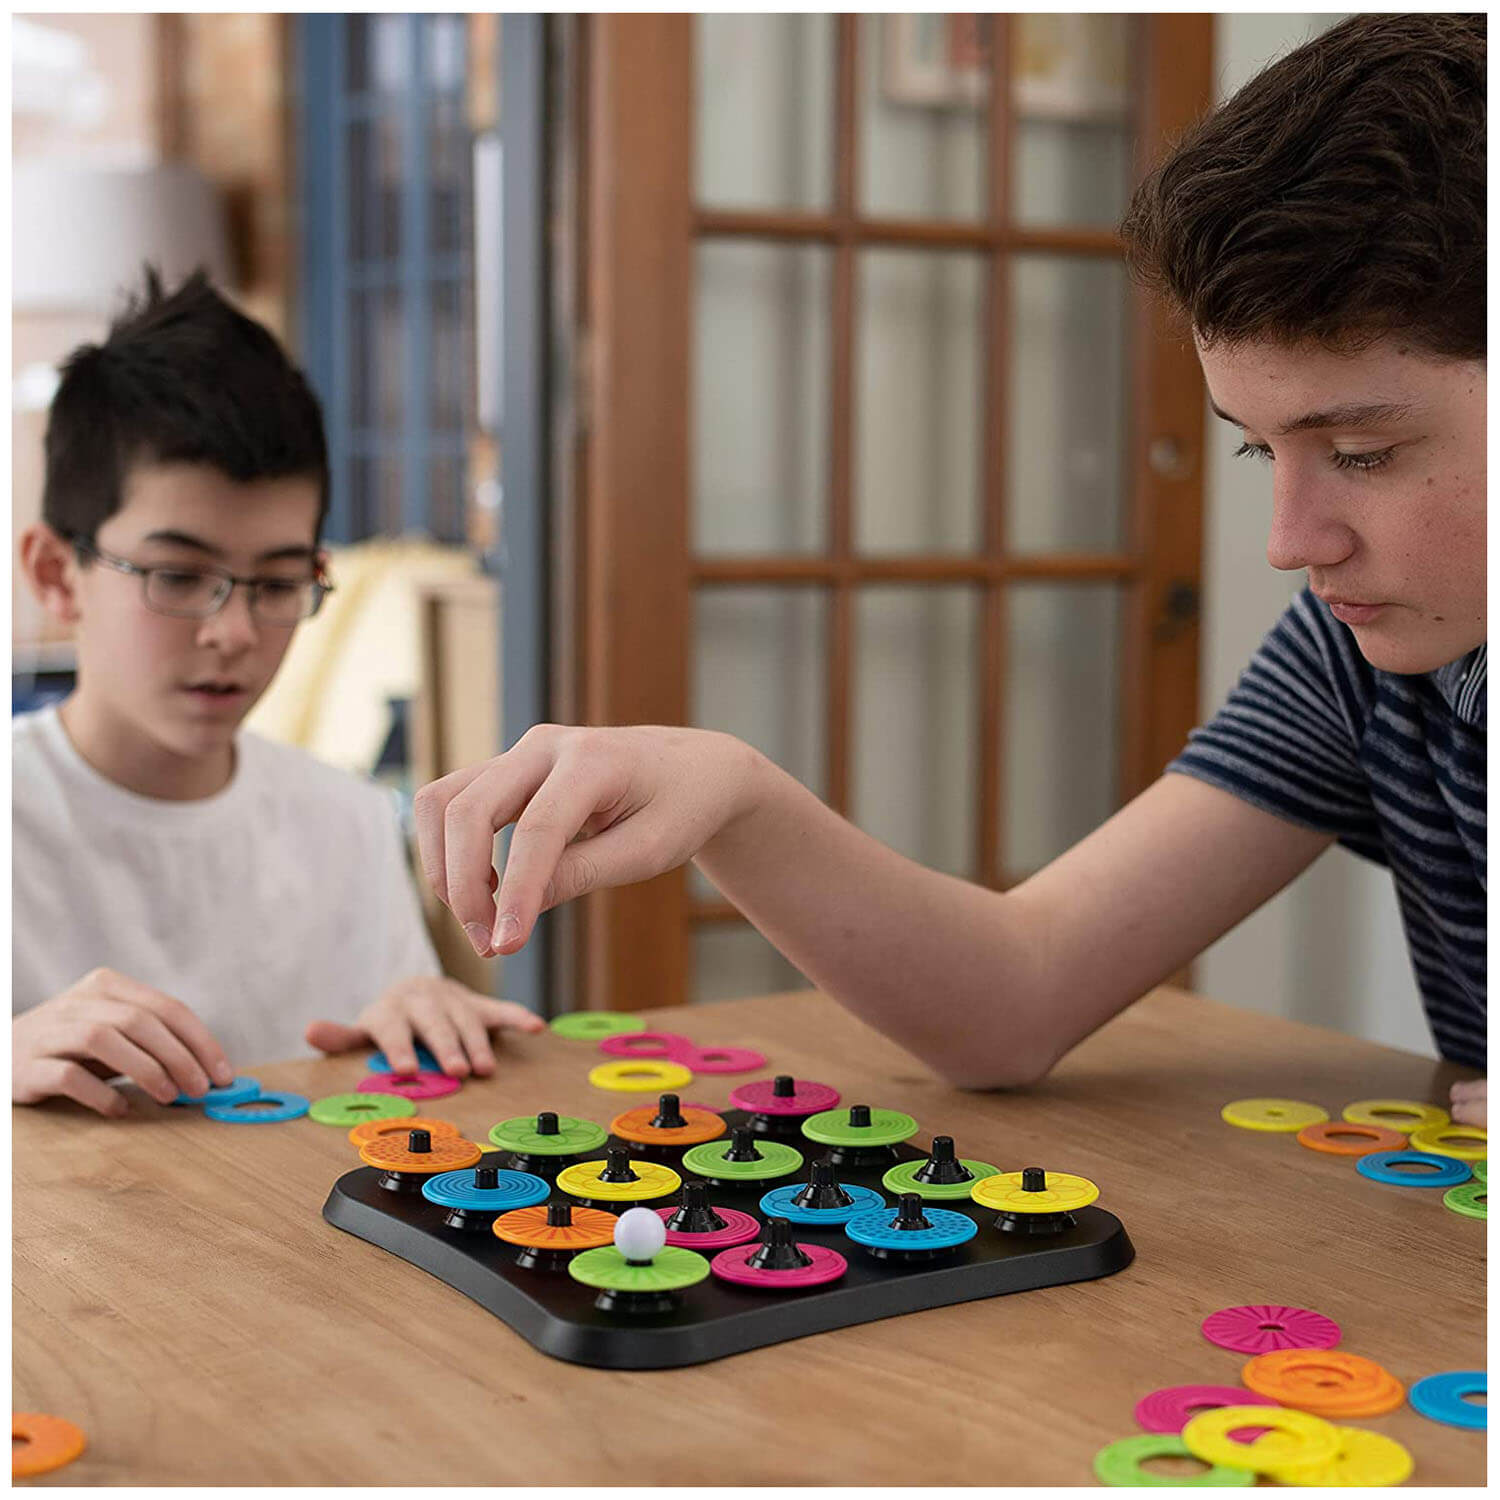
<point x="51" y="568"/>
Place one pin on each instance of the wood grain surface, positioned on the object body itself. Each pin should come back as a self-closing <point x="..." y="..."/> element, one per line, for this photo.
<point x="178" y="1294"/>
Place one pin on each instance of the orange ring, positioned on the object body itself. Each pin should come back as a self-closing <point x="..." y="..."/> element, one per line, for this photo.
<point x="449" y="1153"/>
<point x="372" y="1130"/>
<point x="1326" y="1382"/>
<point x="49" y="1443"/>
<point x="1324" y="1137"/>
<point x="635" y="1125"/>
<point x="528" y="1227"/>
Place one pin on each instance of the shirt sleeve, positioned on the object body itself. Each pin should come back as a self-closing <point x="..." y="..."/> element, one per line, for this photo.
<point x="407" y="946"/>
<point x="1287" y="740"/>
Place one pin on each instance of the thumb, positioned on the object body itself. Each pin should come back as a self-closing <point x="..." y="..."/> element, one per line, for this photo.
<point x="334" y="1036"/>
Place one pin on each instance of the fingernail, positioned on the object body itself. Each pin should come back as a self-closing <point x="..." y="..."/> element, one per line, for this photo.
<point x="507" y="926"/>
<point x="478" y="936"/>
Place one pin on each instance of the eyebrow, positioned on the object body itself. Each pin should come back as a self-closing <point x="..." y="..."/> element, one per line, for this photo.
<point x="1367" y="414"/>
<point x="297" y="551"/>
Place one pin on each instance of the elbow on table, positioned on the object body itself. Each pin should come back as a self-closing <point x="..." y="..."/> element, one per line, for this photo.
<point x="1011" y="1071"/>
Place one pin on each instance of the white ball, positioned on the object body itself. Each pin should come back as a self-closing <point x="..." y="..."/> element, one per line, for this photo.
<point x="640" y="1234"/>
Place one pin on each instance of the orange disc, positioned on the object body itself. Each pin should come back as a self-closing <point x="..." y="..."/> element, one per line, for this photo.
<point x="635" y="1125"/>
<point x="528" y="1227"/>
<point x="450" y="1153"/>
<point x="1326" y="1382"/>
<point x="1344" y="1138"/>
<point x="372" y="1130"/>
<point x="39" y="1443"/>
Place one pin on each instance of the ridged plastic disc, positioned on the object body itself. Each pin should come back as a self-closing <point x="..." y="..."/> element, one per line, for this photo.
<point x="1480" y="1168"/>
<point x="1263" y="1326"/>
<point x="1469" y="1199"/>
<point x="410" y="1085"/>
<point x="269" y="1109"/>
<point x="635" y="1125"/>
<point x="887" y="1127"/>
<point x="582" y="1180"/>
<point x="230" y="1093"/>
<point x="372" y="1130"/>
<point x="1272" y="1114"/>
<point x="511" y="1190"/>
<point x="40" y="1443"/>
<point x="903" y="1179"/>
<point x="1412" y="1168"/>
<point x="1296" y="1438"/>
<point x="669" y="1271"/>
<point x="1364" y="1460"/>
<point x="1327" y="1382"/>
<point x="1462" y="1142"/>
<point x="642" y="1077"/>
<point x="1005" y="1193"/>
<point x="528" y="1228"/>
<point x="775" y="1160"/>
<point x="574" y="1137"/>
<point x="780" y="1203"/>
<point x="807" y="1098"/>
<point x="733" y="1265"/>
<point x="876" y="1230"/>
<point x="356" y="1109"/>
<point x="392" y="1153"/>
<point x="592" y="1025"/>
<point x="739" y="1228"/>
<point x="1120" y="1464"/>
<point x="1404" y="1115"/>
<point x="1349" y="1138"/>
<point x="1441" y="1398"/>
<point x="1171" y="1408"/>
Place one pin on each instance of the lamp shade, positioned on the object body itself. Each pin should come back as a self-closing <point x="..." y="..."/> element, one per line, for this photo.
<point x="80" y="234"/>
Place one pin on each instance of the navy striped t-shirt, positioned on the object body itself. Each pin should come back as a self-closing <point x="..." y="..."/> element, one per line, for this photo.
<point x="1394" y="765"/>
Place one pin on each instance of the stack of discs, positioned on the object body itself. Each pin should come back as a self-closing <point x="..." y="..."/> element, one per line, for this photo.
<point x="1326" y="1382"/>
<point x="1301" y="1449"/>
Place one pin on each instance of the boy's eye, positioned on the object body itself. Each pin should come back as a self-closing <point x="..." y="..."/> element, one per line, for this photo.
<point x="1254" y="450"/>
<point x="280" y="588"/>
<point x="1364" y="462"/>
<point x="169" y="581"/>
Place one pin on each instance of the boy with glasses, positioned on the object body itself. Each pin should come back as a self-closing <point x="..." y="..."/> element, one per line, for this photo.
<point x="187" y="896"/>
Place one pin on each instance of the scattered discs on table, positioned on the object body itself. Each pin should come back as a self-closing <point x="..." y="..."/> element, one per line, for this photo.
<point x="1349" y="1138"/>
<point x="742" y="1158"/>
<point x="1272" y="1114"/>
<point x="669" y="1046"/>
<point x="561" y="1227"/>
<point x="358" y="1109"/>
<point x="372" y="1130"/>
<point x="40" y="1443"/>
<point x="784" y="1095"/>
<point x="781" y="1203"/>
<point x="1120" y="1464"/>
<point x="485" y="1190"/>
<point x="443" y="1153"/>
<point x="859" y="1125"/>
<point x="592" y="1180"/>
<point x="1468" y="1199"/>
<point x="1442" y="1398"/>
<point x="1413" y="1169"/>
<point x="410" y="1085"/>
<point x="230" y="1093"/>
<point x="607" y="1270"/>
<point x="931" y="1229"/>
<point x="426" y="1062"/>
<point x="1006" y="1192"/>
<point x="1327" y="1382"/>
<point x="1260" y="1327"/>
<point x="592" y="1025"/>
<point x="662" y="1125"/>
<point x="1462" y="1142"/>
<point x="263" y="1109"/>
<point x="643" y="1077"/>
<point x="1171" y="1408"/>
<point x="1404" y="1115"/>
<point x="548" y="1134"/>
<point x="1364" y="1459"/>
<point x="1303" y="1438"/>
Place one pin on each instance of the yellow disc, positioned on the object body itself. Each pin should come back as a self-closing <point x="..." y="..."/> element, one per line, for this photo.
<point x="639" y="1076"/>
<point x="1063" y="1193"/>
<point x="582" y="1181"/>
<point x="1207" y="1437"/>
<point x="1449" y="1140"/>
<point x="1394" y="1114"/>
<point x="1363" y="1459"/>
<point x="1272" y="1114"/>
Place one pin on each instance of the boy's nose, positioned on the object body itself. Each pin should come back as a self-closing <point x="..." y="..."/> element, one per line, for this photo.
<point x="234" y="626"/>
<point x="1307" y="531"/>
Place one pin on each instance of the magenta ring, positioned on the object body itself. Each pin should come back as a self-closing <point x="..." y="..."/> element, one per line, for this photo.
<point x="739" y="1228"/>
<point x="723" y="1060"/>
<point x="827" y="1265"/>
<point x="1169" y="1409"/>
<point x="1262" y="1327"/>
<point x="759" y="1098"/>
<point x="646" y="1044"/>
<point x="410" y="1085"/>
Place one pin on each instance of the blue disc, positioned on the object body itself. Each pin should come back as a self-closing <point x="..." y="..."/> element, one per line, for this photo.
<point x="778" y="1204"/>
<point x="426" y="1062"/>
<point x="948" y="1229"/>
<point x="1449" y="1171"/>
<point x="287" y="1107"/>
<point x="1441" y="1397"/>
<point x="511" y="1190"/>
<point x="231" y="1093"/>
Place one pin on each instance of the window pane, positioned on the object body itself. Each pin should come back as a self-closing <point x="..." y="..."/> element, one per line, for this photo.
<point x="761" y="394"/>
<point x="916" y="694"/>
<point x="445" y="53"/>
<point x="389" y="356"/>
<point x="1068" y="450"/>
<point x="732" y="960"/>
<point x="924" y="82"/>
<point x="450" y="369"/>
<point x="919" y="378"/>
<point x="1062" y="718"/>
<point x="448" y="158"/>
<point x="764" y="101"/>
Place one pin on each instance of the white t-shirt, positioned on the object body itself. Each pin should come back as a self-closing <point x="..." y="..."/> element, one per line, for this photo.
<point x="283" y="899"/>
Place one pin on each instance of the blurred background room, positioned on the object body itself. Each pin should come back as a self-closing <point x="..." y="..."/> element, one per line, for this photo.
<point x="773" y="373"/>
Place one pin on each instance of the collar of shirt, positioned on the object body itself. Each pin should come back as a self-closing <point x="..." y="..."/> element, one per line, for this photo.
<point x="1462" y="685"/>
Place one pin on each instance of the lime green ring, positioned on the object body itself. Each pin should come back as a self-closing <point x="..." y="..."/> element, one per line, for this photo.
<point x="671" y="1270"/>
<point x="902" y="1178"/>
<point x="595" y="1025"/>
<point x="777" y="1160"/>
<point x="1464" y="1199"/>
<point x="354" y="1109"/>
<point x="1120" y="1464"/>
<point x="1479" y="1168"/>
<point x="573" y="1138"/>
<point x="887" y="1127"/>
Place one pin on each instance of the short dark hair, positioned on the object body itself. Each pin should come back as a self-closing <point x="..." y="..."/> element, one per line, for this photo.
<point x="1337" y="198"/>
<point x="181" y="378"/>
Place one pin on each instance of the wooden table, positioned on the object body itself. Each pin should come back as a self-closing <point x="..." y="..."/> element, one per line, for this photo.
<point x="178" y="1294"/>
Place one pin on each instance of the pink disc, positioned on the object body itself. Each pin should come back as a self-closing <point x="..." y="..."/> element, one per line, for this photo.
<point x="739" y="1228"/>
<point x="827" y="1265"/>
<point x="722" y="1060"/>
<point x="647" y="1044"/>
<point x="411" y="1085"/>
<point x="1169" y="1409"/>
<point x="760" y="1099"/>
<point x="1260" y="1328"/>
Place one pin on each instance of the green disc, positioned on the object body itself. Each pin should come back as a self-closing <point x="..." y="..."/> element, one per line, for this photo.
<point x="355" y="1109"/>
<point x="608" y="1270"/>
<point x="1120" y="1463"/>
<point x="903" y="1179"/>
<point x="887" y="1127"/>
<point x="1468" y="1199"/>
<point x="595" y="1025"/>
<point x="1479" y="1168"/>
<point x="573" y="1137"/>
<point x="776" y="1160"/>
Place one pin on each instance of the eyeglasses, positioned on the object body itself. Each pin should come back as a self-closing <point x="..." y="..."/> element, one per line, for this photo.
<point x="200" y="593"/>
